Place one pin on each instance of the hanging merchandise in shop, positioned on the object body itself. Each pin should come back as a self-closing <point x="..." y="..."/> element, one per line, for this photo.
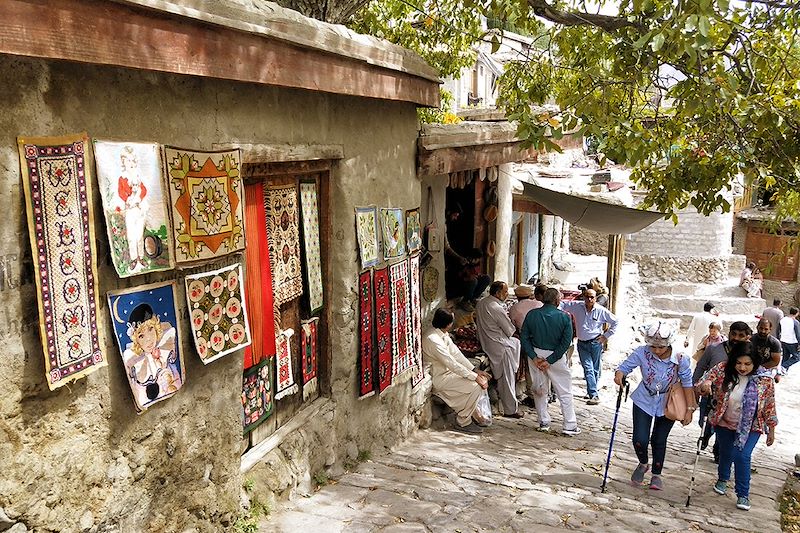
<point x="283" y="229"/>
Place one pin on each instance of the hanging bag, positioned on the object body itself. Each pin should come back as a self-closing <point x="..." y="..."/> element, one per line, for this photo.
<point x="676" y="407"/>
<point x="432" y="235"/>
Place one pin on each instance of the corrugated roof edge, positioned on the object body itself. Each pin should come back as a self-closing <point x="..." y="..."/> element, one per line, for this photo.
<point x="276" y="22"/>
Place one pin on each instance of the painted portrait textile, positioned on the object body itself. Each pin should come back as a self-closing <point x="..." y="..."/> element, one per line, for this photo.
<point x="286" y="385"/>
<point x="283" y="229"/>
<point x="206" y="197"/>
<point x="257" y="403"/>
<point x="367" y="233"/>
<point x="310" y="214"/>
<point x="258" y="278"/>
<point x="217" y="312"/>
<point x="146" y="328"/>
<point x="309" y="348"/>
<point x="413" y="230"/>
<point x="366" y="351"/>
<point x="401" y="319"/>
<point x="383" y="328"/>
<point x="394" y="233"/>
<point x="416" y="319"/>
<point x="135" y="208"/>
<point x="58" y="195"/>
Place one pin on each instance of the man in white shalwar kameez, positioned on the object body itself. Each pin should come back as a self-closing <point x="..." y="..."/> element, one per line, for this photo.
<point x="495" y="332"/>
<point x="454" y="378"/>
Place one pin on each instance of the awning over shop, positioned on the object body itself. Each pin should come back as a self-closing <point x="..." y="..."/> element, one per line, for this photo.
<point x="597" y="216"/>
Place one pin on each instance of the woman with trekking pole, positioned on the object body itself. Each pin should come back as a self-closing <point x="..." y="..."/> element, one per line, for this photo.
<point x="660" y="367"/>
<point x="745" y="409"/>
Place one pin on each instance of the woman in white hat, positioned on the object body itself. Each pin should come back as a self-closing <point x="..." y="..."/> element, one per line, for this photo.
<point x="660" y="367"/>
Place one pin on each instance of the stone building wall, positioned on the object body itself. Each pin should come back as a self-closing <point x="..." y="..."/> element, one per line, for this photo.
<point x="693" y="269"/>
<point x="694" y="235"/>
<point x="587" y="242"/>
<point x="79" y="458"/>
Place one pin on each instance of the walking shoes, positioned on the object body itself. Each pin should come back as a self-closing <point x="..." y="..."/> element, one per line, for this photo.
<point x="743" y="503"/>
<point x="656" y="483"/>
<point x="637" y="478"/>
<point x="721" y="487"/>
<point x="594" y="400"/>
<point x="571" y="432"/>
<point x="472" y="428"/>
<point x="544" y="428"/>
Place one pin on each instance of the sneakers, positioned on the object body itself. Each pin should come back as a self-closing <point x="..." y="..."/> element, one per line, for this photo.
<point x="571" y="432"/>
<point x="472" y="428"/>
<point x="656" y="483"/>
<point x="594" y="400"/>
<point x="721" y="487"/>
<point x="743" y="503"/>
<point x="637" y="478"/>
<point x="544" y="428"/>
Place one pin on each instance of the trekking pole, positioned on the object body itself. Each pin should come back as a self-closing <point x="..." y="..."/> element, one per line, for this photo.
<point x="697" y="458"/>
<point x="624" y="388"/>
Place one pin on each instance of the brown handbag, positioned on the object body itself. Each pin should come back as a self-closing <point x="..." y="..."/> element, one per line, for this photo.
<point x="676" y="407"/>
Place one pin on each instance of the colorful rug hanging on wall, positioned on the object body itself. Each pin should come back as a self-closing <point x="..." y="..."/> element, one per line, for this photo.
<point x="383" y="327"/>
<point x="135" y="208"/>
<point x="217" y="311"/>
<point x="283" y="229"/>
<point x="286" y="385"/>
<point x="393" y="232"/>
<point x="206" y="195"/>
<point x="258" y="279"/>
<point x="145" y="325"/>
<point x="367" y="233"/>
<point x="58" y="194"/>
<point x="401" y="320"/>
<point x="416" y="320"/>
<point x="413" y="230"/>
<point x="309" y="348"/>
<point x="257" y="403"/>
<point x="366" y="350"/>
<point x="310" y="212"/>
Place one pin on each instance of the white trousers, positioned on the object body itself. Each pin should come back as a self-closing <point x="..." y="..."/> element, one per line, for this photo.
<point x="560" y="376"/>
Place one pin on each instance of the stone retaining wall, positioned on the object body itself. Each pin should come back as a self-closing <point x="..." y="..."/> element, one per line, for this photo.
<point x="694" y="269"/>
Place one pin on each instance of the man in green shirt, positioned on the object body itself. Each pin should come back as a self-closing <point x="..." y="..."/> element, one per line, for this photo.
<point x="546" y="335"/>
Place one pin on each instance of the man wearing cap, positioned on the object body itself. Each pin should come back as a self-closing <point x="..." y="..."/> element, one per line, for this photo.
<point x="699" y="326"/>
<point x="546" y="335"/>
<point x="495" y="333"/>
<point x="525" y="302"/>
<point x="590" y="319"/>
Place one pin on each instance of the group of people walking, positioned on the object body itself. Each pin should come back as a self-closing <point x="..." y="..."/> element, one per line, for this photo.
<point x="733" y="377"/>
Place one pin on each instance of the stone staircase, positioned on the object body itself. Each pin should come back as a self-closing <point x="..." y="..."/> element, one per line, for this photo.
<point x="683" y="300"/>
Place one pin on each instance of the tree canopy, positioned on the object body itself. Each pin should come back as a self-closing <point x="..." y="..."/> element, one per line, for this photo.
<point x="689" y="93"/>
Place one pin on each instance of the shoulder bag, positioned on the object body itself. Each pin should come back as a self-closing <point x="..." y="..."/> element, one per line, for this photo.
<point x="676" y="407"/>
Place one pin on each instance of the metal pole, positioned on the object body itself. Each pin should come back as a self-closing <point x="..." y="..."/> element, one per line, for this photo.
<point x="624" y="388"/>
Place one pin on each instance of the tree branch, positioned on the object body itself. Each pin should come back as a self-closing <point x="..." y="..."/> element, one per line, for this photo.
<point x="576" y="18"/>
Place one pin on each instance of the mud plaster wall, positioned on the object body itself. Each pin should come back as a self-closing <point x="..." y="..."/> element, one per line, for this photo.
<point x="79" y="458"/>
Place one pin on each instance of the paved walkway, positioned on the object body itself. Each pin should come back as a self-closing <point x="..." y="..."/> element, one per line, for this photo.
<point x="513" y="478"/>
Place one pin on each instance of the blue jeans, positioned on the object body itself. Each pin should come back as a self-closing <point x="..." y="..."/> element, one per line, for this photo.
<point x="729" y="453"/>
<point x="642" y="424"/>
<point x="589" y="353"/>
<point x="790" y="356"/>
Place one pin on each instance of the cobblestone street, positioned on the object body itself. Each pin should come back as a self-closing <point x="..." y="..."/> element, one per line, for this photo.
<point x="514" y="478"/>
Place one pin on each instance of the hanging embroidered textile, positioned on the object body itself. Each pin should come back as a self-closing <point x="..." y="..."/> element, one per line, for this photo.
<point x="309" y="348"/>
<point x="146" y="328"/>
<point x="286" y="385"/>
<point x="58" y="194"/>
<point x="310" y="213"/>
<point x="217" y="311"/>
<point x="394" y="233"/>
<point x="206" y="195"/>
<point x="416" y="319"/>
<point x="135" y="208"/>
<point x="283" y="230"/>
<point x="366" y="351"/>
<point x="257" y="403"/>
<point x="368" y="237"/>
<point x="383" y="328"/>
<point x="258" y="278"/>
<point x="401" y="321"/>
<point x="413" y="230"/>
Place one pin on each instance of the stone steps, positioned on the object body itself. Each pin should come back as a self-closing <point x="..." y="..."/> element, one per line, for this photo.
<point x="685" y="318"/>
<point x="700" y="290"/>
<point x="726" y="305"/>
